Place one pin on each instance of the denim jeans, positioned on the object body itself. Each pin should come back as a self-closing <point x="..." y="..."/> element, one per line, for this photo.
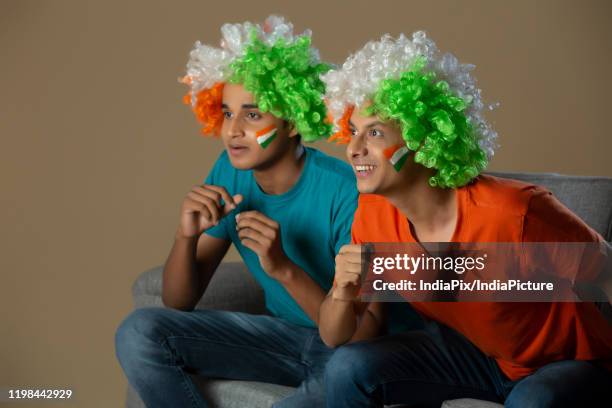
<point x="423" y="368"/>
<point x="159" y="348"/>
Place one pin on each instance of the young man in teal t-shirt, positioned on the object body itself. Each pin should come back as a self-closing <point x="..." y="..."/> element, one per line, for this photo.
<point x="287" y="209"/>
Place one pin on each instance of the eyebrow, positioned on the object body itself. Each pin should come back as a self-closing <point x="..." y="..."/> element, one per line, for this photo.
<point x="244" y="106"/>
<point x="369" y="125"/>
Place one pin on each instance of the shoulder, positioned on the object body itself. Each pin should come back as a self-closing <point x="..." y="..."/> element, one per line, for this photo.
<point x="547" y="219"/>
<point x="544" y="217"/>
<point x="511" y="197"/>
<point x="328" y="166"/>
<point x="333" y="178"/>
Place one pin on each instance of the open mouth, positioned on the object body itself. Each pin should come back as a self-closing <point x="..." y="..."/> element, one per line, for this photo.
<point x="237" y="150"/>
<point x="364" y="170"/>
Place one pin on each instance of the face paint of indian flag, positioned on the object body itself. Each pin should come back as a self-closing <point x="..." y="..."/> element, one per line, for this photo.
<point x="265" y="136"/>
<point x="397" y="155"/>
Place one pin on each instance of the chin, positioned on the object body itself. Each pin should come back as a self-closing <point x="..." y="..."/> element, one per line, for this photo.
<point x="366" y="188"/>
<point x="243" y="163"/>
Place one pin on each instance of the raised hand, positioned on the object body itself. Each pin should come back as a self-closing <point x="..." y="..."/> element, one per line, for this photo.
<point x="262" y="235"/>
<point x="348" y="272"/>
<point x="201" y="209"/>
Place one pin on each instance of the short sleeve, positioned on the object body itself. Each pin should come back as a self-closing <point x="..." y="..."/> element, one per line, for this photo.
<point x="548" y="220"/>
<point x="218" y="176"/>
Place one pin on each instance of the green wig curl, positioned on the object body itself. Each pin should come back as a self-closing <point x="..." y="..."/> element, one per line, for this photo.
<point x="433" y="124"/>
<point x="285" y="83"/>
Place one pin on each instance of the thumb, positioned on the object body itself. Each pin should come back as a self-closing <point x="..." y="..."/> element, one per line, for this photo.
<point x="237" y="200"/>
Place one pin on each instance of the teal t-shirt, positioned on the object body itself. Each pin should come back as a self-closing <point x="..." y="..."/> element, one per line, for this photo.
<point x="315" y="218"/>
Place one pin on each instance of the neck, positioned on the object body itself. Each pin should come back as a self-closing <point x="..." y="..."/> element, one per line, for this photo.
<point x="279" y="175"/>
<point x="421" y="203"/>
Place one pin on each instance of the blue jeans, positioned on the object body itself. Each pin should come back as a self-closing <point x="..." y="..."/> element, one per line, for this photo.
<point x="423" y="368"/>
<point x="159" y="348"/>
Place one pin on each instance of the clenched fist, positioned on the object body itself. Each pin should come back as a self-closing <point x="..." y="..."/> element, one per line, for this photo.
<point x="348" y="273"/>
<point x="262" y="235"/>
<point x="201" y="209"/>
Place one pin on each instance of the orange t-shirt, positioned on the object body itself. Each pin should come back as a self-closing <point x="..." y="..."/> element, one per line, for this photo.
<point x="521" y="336"/>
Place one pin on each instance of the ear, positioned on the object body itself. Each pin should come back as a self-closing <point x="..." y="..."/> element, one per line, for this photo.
<point x="292" y="130"/>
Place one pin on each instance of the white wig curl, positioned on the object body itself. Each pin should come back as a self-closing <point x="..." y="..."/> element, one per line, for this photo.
<point x="208" y="65"/>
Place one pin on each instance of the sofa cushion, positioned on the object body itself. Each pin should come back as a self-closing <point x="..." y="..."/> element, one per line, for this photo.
<point x="252" y="394"/>
<point x="229" y="393"/>
<point x="238" y="394"/>
<point x="232" y="287"/>
<point x="470" y="403"/>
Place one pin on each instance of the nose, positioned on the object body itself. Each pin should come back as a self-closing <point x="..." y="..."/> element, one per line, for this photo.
<point x="235" y="129"/>
<point x="356" y="147"/>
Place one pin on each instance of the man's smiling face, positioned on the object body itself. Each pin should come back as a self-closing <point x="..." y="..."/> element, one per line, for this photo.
<point x="253" y="139"/>
<point x="369" y="153"/>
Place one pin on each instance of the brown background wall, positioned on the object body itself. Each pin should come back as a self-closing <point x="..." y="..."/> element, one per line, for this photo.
<point x="98" y="151"/>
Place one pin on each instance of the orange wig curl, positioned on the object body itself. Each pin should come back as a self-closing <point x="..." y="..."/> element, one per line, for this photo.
<point x="343" y="135"/>
<point x="207" y="108"/>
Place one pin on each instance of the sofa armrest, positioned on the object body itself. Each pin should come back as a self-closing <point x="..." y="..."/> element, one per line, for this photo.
<point x="231" y="288"/>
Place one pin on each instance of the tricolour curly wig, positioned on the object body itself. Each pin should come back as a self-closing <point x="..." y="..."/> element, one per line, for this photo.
<point x="432" y="97"/>
<point x="280" y="69"/>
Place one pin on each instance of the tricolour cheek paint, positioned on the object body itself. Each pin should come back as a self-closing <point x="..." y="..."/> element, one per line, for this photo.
<point x="397" y="155"/>
<point x="265" y="136"/>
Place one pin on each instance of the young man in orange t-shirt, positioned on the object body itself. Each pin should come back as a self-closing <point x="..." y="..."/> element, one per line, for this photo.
<point x="418" y="143"/>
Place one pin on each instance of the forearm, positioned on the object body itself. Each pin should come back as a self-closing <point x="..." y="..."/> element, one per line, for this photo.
<point x="306" y="292"/>
<point x="181" y="286"/>
<point x="337" y="321"/>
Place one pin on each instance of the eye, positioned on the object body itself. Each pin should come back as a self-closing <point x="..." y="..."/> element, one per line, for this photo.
<point x="353" y="131"/>
<point x="375" y="133"/>
<point x="253" y="115"/>
<point x="227" y="114"/>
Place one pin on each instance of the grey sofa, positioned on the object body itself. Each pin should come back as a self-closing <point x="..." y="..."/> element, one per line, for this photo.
<point x="233" y="288"/>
